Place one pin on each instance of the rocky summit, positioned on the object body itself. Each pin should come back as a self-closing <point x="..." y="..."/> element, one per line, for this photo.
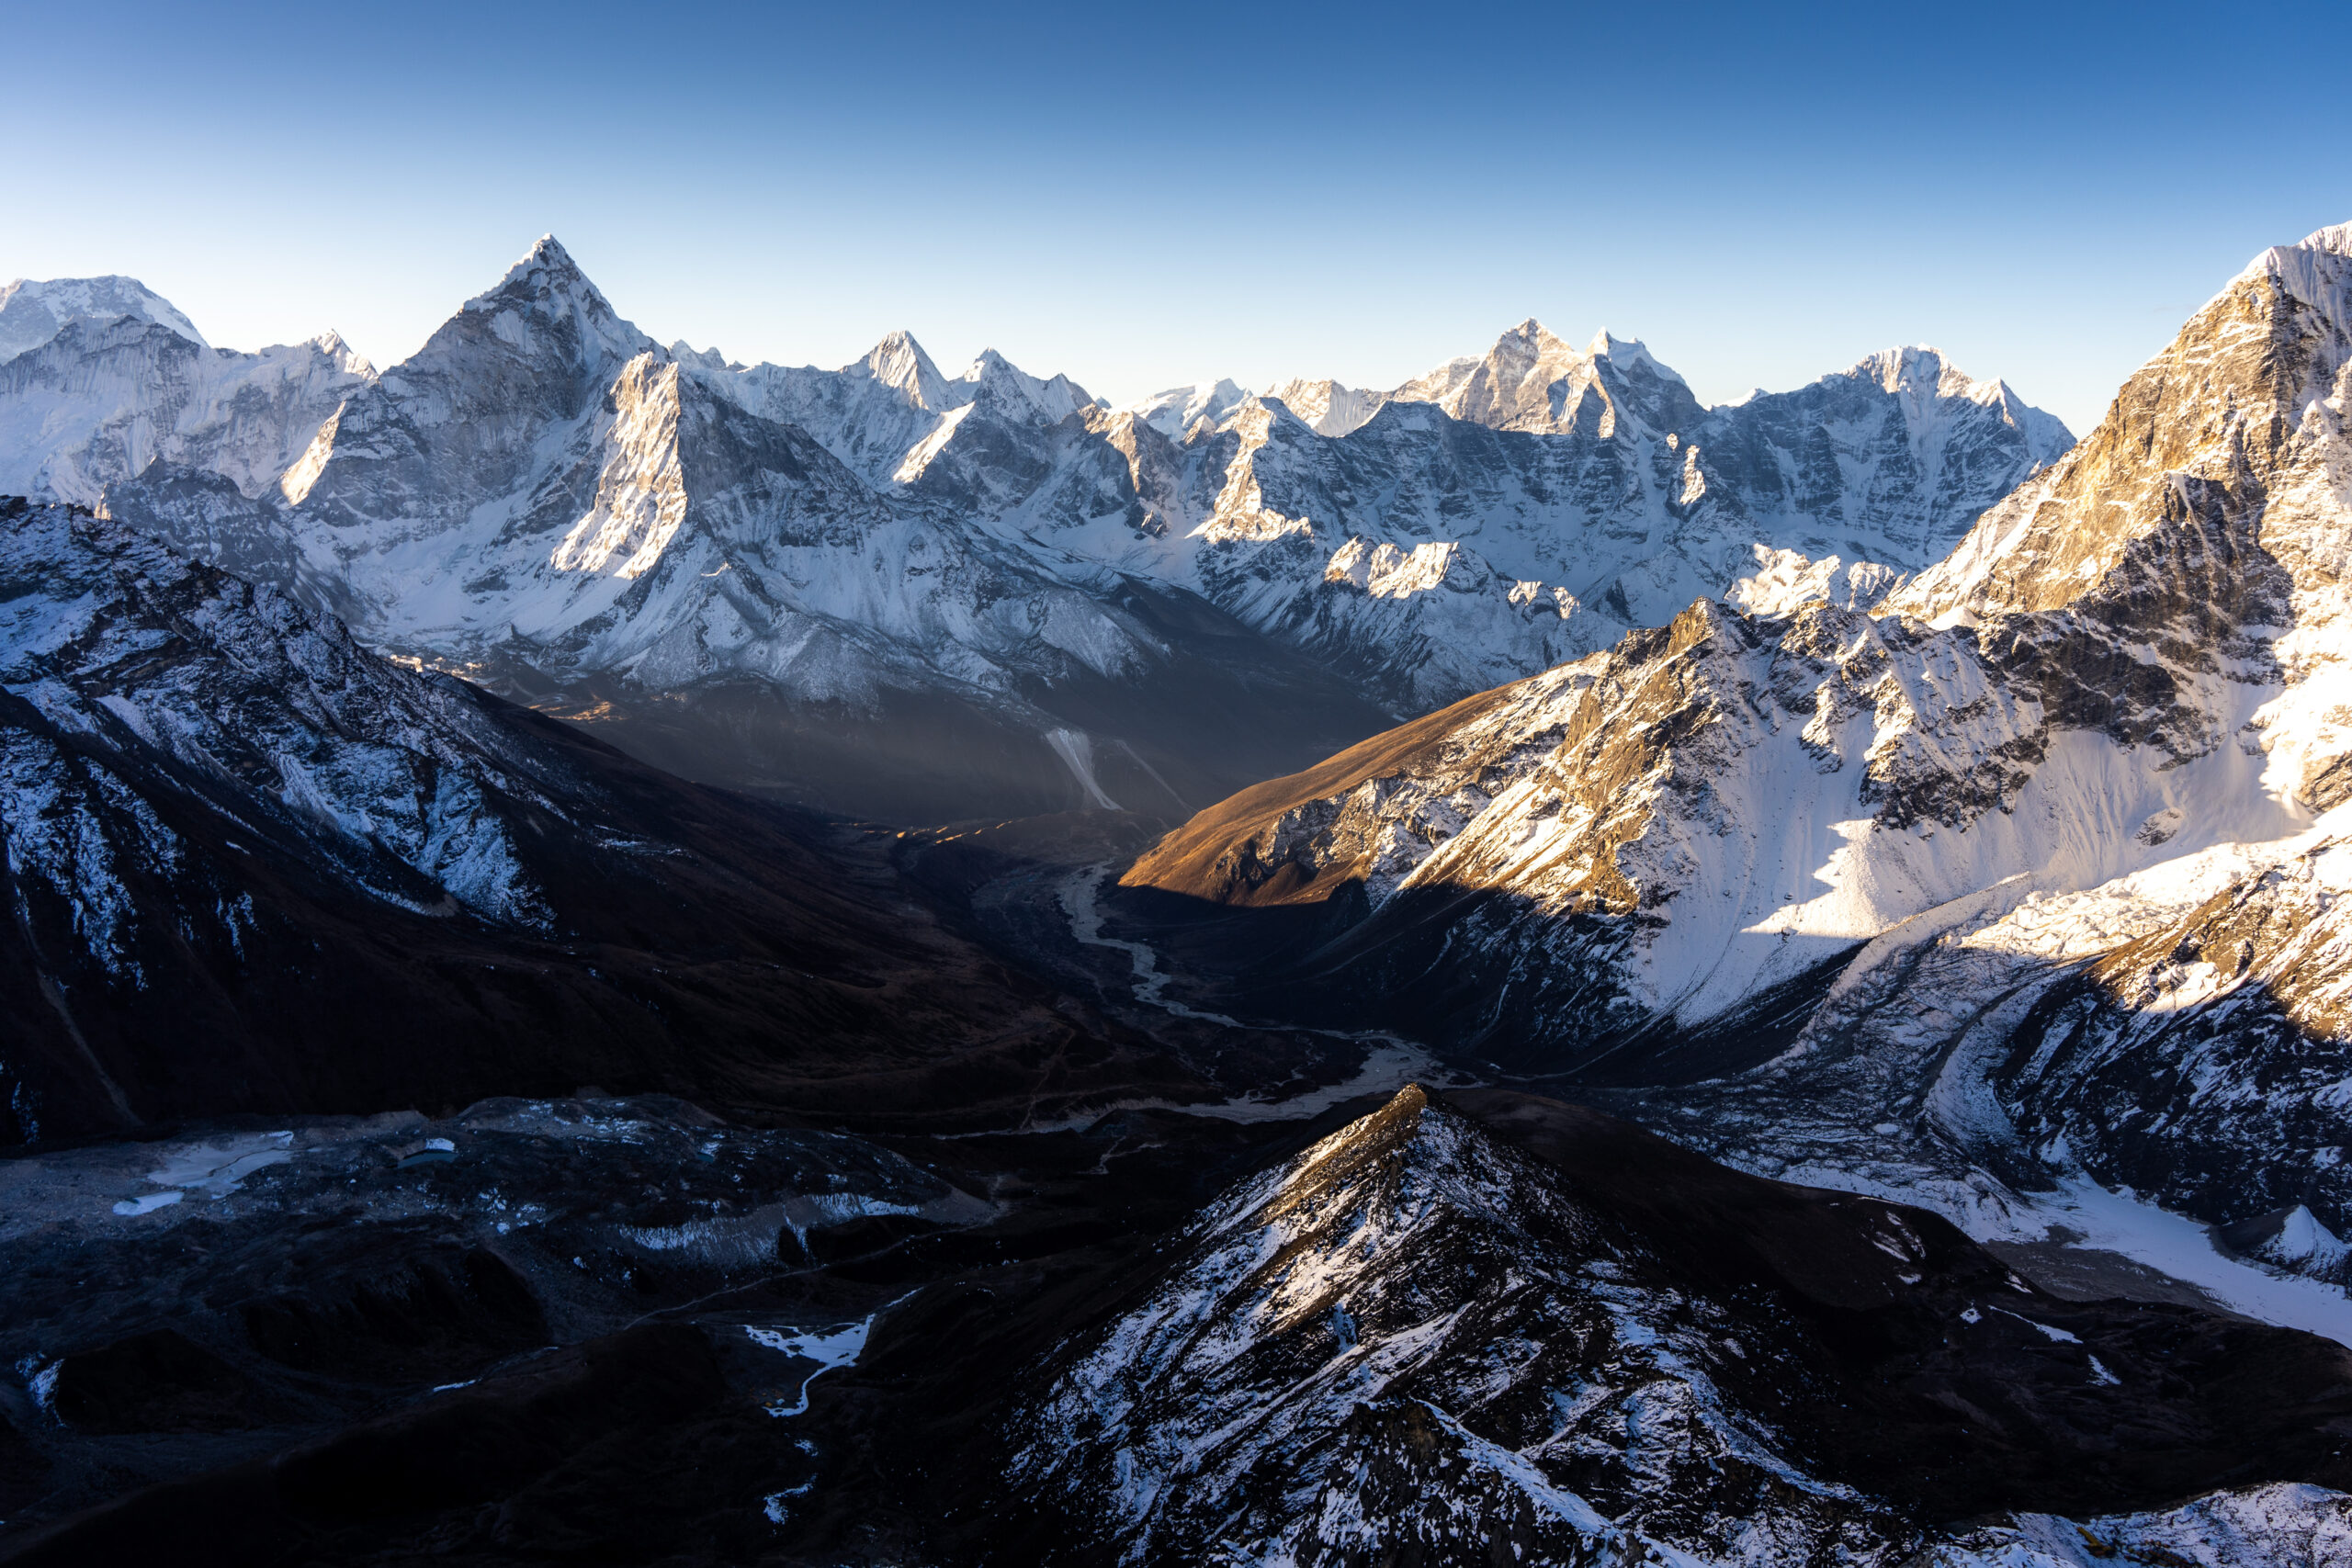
<point x="621" y="955"/>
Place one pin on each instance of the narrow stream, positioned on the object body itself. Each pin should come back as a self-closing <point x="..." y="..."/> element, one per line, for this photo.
<point x="1390" y="1063"/>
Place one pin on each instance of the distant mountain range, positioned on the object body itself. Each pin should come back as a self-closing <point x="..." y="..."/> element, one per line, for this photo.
<point x="900" y="595"/>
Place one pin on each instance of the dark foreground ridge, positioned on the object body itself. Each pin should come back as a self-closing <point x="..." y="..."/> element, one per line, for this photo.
<point x="1454" y="1326"/>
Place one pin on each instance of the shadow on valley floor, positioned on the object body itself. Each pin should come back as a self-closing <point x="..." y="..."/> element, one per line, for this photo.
<point x="1225" y="707"/>
<point x="1439" y="965"/>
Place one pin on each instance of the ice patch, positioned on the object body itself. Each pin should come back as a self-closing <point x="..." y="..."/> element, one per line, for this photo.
<point x="149" y="1204"/>
<point x="219" y="1168"/>
<point x="829" y="1347"/>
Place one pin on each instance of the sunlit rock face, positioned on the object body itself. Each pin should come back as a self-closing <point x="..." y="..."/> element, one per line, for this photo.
<point x="2112" y="719"/>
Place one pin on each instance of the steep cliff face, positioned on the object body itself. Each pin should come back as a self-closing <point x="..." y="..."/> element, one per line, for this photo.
<point x="2209" y="1060"/>
<point x="1519" y="1332"/>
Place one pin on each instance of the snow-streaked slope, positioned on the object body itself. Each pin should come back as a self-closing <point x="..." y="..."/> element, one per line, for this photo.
<point x="253" y="867"/>
<point x="1399" y="1286"/>
<point x="1330" y="408"/>
<point x="1548" y="499"/>
<point x="2259" y="1527"/>
<point x="97" y="399"/>
<point x="1738" y="797"/>
<point x="1515" y="1332"/>
<point x="2208" y="1062"/>
<point x="108" y="640"/>
<point x="543" y="498"/>
<point x="1554" y="498"/>
<point x="1175" y="410"/>
<point x="1869" y="825"/>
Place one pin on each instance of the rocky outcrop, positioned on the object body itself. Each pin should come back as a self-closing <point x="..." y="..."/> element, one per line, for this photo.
<point x="2208" y="1061"/>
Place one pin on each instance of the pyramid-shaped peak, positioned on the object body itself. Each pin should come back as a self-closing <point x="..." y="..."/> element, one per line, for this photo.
<point x="1532" y="331"/>
<point x="333" y="345"/>
<point x="1531" y="342"/>
<point x="546" y="308"/>
<point x="998" y="378"/>
<point x="899" y="362"/>
<point x="547" y="271"/>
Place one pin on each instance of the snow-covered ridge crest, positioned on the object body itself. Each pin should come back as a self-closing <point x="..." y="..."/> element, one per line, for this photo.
<point x="1360" y="1284"/>
<point x="100" y="377"/>
<point x="33" y="312"/>
<point x="1594" y="476"/>
<point x="2133" y="677"/>
<point x="2249" y="397"/>
<point x="1503" y="1326"/>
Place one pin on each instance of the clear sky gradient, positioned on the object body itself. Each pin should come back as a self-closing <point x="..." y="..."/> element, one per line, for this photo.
<point x="1141" y="196"/>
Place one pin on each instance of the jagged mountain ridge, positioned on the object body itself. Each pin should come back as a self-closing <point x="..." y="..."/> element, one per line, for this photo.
<point x="100" y="398"/>
<point x="1780" y="846"/>
<point x="991" y="559"/>
<point x="1517" y="1332"/>
<point x="544" y="499"/>
<point x="1508" y="512"/>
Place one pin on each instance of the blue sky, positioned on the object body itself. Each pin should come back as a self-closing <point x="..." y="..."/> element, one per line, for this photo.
<point x="1143" y="195"/>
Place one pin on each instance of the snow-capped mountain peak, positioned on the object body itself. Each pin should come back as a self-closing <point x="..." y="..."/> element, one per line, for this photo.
<point x="331" y="346"/>
<point x="899" y="362"/>
<point x="1534" y="380"/>
<point x="34" y="311"/>
<point x="1508" y="387"/>
<point x="2294" y="262"/>
<point x="1606" y="344"/>
<point x="1326" y="406"/>
<point x="546" y="306"/>
<point x="1177" y="409"/>
<point x="994" y="378"/>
